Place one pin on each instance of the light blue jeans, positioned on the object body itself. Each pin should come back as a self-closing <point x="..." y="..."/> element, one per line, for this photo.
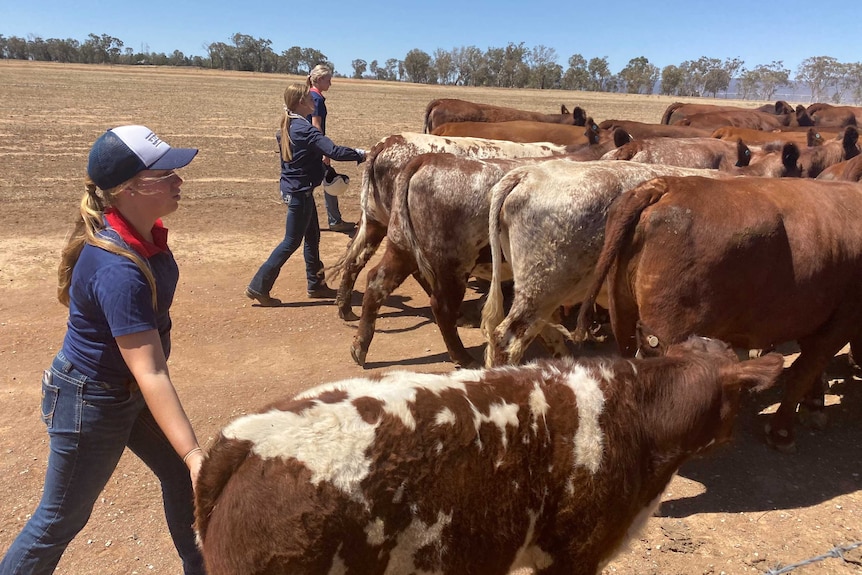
<point x="90" y="423"/>
<point x="333" y="213"/>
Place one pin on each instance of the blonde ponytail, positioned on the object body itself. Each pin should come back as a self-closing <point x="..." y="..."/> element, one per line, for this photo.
<point x="88" y="230"/>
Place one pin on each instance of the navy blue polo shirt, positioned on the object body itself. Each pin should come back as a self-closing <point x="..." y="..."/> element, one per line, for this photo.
<point x="308" y="145"/>
<point x="110" y="297"/>
<point x="319" y="108"/>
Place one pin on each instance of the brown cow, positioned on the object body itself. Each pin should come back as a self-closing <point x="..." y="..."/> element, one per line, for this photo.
<point x="703" y="153"/>
<point x="384" y="162"/>
<point x="815" y="160"/>
<point x="525" y="131"/>
<point x="848" y="171"/>
<point x="752" y="261"/>
<point x="679" y="110"/>
<point x="551" y="467"/>
<point x="642" y="130"/>
<point x="735" y="159"/>
<point x="827" y="115"/>
<point x="739" y="118"/>
<point x="809" y="138"/>
<point x="447" y="110"/>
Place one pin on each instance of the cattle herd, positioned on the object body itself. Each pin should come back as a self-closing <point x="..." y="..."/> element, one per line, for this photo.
<point x="718" y="228"/>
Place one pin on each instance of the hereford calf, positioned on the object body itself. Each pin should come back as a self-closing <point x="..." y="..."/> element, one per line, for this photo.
<point x="552" y="466"/>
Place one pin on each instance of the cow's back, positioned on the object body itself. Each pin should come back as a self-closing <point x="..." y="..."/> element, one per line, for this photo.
<point x="753" y="261"/>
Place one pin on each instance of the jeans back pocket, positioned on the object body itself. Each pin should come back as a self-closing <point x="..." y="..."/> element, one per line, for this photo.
<point x="49" y="398"/>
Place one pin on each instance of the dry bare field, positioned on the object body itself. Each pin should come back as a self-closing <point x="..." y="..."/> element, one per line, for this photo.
<point x="744" y="509"/>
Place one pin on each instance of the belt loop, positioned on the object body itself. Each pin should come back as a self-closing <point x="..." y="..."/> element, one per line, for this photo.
<point x="66" y="365"/>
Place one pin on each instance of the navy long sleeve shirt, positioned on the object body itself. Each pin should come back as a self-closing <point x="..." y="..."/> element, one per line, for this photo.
<point x="308" y="145"/>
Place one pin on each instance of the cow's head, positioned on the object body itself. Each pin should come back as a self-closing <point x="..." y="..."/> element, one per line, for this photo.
<point x="703" y="397"/>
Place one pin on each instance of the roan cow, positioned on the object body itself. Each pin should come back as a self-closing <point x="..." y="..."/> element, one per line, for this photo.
<point x="752" y="261"/>
<point x="385" y="161"/>
<point x="438" y="228"/>
<point x="551" y="466"/>
<point x="549" y="221"/>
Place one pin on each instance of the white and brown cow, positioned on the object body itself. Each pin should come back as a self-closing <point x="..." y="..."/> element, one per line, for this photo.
<point x="549" y="221"/>
<point x="385" y="161"/>
<point x="551" y="466"/>
<point x="437" y="230"/>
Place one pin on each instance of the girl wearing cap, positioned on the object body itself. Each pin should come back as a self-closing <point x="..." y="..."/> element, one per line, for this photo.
<point x="302" y="170"/>
<point x="108" y="387"/>
<point x="319" y="81"/>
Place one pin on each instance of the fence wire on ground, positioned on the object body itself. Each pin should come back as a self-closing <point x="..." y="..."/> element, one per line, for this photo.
<point x="834" y="553"/>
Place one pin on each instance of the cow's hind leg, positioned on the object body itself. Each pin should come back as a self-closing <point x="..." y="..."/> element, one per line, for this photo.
<point x="390" y="273"/>
<point x="446" y="300"/>
<point x="514" y="334"/>
<point x="373" y="236"/>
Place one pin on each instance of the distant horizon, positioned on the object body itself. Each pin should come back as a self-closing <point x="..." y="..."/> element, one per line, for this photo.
<point x="384" y="29"/>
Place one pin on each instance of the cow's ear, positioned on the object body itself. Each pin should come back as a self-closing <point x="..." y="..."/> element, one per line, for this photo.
<point x="851" y="136"/>
<point x="621" y="137"/>
<point x="758" y="374"/>
<point x="563" y="109"/>
<point x="743" y="154"/>
<point x="790" y="155"/>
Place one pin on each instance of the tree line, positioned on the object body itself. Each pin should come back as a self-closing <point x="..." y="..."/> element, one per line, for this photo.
<point x="512" y="66"/>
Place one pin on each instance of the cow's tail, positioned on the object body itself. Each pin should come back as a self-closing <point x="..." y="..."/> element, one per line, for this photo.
<point x="492" y="311"/>
<point x="357" y="243"/>
<point x="665" y="118"/>
<point x="623" y="216"/>
<point x="426" y="126"/>
<point x="404" y="233"/>
<point x="222" y="460"/>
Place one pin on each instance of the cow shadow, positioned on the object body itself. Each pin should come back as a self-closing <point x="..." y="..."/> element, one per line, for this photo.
<point x="747" y="475"/>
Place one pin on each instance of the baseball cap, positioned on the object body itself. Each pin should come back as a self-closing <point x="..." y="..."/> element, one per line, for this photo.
<point x="122" y="152"/>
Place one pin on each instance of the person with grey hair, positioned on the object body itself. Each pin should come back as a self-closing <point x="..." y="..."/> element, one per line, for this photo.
<point x="319" y="81"/>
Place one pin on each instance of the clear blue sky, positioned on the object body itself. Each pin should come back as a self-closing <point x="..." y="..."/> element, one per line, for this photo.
<point x="665" y="33"/>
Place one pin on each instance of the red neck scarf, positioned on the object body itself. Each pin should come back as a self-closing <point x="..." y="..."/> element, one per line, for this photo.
<point x="131" y="236"/>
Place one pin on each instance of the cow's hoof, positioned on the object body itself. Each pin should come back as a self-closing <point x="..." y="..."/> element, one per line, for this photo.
<point x="347" y="314"/>
<point x="814" y="418"/>
<point x="358" y="354"/>
<point x="780" y="439"/>
<point x="467" y="363"/>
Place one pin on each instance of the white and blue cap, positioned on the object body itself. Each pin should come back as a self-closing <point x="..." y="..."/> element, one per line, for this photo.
<point x="122" y="152"/>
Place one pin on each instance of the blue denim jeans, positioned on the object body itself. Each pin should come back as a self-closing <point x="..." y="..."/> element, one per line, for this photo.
<point x="333" y="214"/>
<point x="90" y="423"/>
<point x="301" y="224"/>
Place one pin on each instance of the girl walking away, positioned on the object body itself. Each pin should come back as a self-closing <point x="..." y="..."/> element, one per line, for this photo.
<point x="302" y="170"/>
<point x="319" y="81"/>
<point x="108" y="388"/>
